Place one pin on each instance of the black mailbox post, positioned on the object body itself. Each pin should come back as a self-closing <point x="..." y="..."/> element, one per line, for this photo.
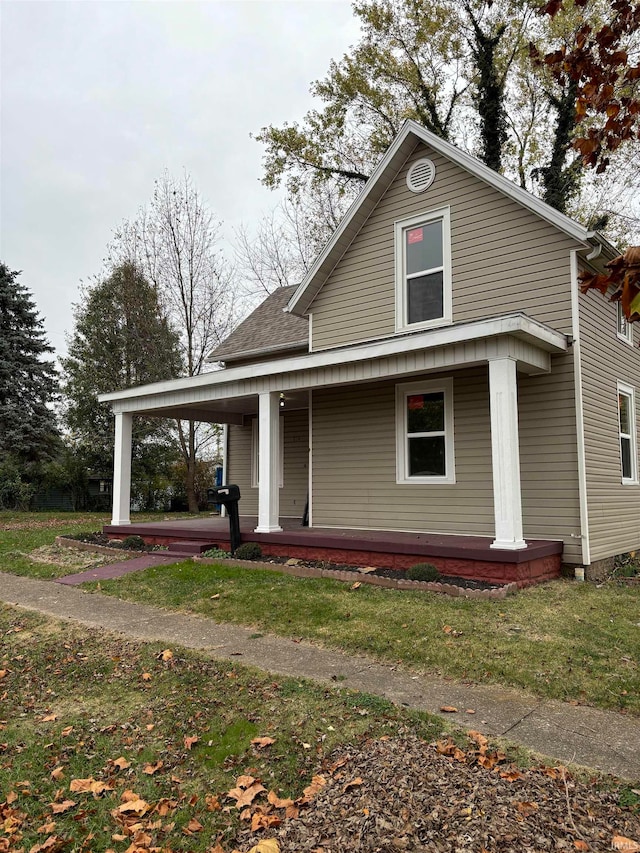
<point x="229" y="496"/>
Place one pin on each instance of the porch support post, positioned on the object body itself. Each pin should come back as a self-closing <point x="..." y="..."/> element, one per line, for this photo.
<point x="122" y="469"/>
<point x="269" y="463"/>
<point x="505" y="453"/>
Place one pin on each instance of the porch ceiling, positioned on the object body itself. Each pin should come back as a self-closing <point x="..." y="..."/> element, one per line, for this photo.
<point x="226" y="395"/>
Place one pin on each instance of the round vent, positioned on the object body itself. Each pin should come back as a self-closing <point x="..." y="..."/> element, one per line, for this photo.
<point x="420" y="176"/>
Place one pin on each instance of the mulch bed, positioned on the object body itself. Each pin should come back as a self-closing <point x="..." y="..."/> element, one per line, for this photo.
<point x="110" y="542"/>
<point x="394" y="574"/>
<point x="405" y="795"/>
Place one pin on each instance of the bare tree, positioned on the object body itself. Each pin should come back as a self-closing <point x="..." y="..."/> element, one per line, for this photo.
<point x="175" y="241"/>
<point x="282" y="249"/>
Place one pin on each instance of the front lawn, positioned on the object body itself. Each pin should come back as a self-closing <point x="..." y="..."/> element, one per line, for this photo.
<point x="565" y="640"/>
<point x="109" y="745"/>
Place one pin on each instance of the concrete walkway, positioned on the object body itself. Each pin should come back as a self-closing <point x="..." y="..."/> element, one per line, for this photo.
<point x="604" y="740"/>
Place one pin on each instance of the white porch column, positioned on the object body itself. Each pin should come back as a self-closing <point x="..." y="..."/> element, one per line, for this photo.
<point x="122" y="469"/>
<point x="505" y="454"/>
<point x="268" y="462"/>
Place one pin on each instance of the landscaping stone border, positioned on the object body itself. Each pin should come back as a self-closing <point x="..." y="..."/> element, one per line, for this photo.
<point x="375" y="580"/>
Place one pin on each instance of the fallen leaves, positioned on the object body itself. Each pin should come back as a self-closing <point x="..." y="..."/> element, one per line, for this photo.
<point x="449" y="709"/>
<point x="262" y="742"/>
<point x="190" y="741"/>
<point x="246" y="790"/>
<point x="64" y="806"/>
<point x="89" y="786"/>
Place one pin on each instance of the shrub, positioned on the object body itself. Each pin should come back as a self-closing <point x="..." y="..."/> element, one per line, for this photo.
<point x="134" y="543"/>
<point x="216" y="553"/>
<point x="248" y="551"/>
<point x="423" y="572"/>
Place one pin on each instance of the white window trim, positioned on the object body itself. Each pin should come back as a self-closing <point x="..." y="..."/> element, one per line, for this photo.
<point x="627" y="336"/>
<point x="402" y="457"/>
<point x="630" y="392"/>
<point x="254" y="453"/>
<point x="401" y="226"/>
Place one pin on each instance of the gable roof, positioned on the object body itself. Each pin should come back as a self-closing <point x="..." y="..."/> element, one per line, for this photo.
<point x="266" y="330"/>
<point x="403" y="145"/>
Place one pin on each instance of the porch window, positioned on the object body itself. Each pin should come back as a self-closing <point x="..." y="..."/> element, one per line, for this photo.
<point x="423" y="271"/>
<point x="624" y="328"/>
<point x="627" y="426"/>
<point x="424" y="432"/>
<point x="255" y="454"/>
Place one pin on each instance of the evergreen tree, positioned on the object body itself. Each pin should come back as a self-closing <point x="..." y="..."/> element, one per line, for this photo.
<point x="121" y="338"/>
<point x="28" y="381"/>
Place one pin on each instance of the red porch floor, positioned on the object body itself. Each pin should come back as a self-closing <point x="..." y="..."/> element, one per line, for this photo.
<point x="460" y="556"/>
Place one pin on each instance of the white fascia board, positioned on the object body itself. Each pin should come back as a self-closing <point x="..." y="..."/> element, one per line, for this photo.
<point x="517" y="325"/>
<point x="465" y="161"/>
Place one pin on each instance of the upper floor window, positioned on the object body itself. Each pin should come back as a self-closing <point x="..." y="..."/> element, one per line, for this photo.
<point x="624" y="328"/>
<point x="627" y="422"/>
<point x="423" y="271"/>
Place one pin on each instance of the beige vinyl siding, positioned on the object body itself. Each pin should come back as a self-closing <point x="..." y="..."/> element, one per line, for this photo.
<point x="549" y="457"/>
<point x="354" y="459"/>
<point x="504" y="258"/>
<point x="293" y="494"/>
<point x="614" y="509"/>
<point x="238" y="468"/>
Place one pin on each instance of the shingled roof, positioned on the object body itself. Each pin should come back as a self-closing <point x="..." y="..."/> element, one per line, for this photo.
<point x="266" y="330"/>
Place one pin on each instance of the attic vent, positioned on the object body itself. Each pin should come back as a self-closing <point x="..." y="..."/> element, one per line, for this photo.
<point x="420" y="176"/>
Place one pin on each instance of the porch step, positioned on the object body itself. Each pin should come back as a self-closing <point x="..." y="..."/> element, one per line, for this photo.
<point x="190" y="547"/>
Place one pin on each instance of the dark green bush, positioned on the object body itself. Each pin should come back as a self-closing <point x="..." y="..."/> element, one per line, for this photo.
<point x="134" y="543"/>
<point x="248" y="551"/>
<point x="423" y="572"/>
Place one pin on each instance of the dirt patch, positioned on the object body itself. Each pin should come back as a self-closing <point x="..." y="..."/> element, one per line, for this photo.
<point x="59" y="555"/>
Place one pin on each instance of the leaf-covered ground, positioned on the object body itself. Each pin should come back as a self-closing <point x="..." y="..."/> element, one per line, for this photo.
<point x="108" y="745"/>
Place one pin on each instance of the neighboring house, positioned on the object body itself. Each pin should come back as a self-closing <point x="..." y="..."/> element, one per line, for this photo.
<point x="450" y="377"/>
<point x="94" y="495"/>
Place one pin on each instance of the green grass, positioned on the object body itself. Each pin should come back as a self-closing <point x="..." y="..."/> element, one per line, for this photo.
<point x="21" y="533"/>
<point x="563" y="640"/>
<point x="122" y="700"/>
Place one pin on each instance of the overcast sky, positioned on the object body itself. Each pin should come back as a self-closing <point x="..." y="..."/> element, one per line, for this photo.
<point x="100" y="96"/>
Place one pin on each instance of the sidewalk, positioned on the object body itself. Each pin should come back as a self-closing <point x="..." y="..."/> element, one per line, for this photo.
<point x="604" y="740"/>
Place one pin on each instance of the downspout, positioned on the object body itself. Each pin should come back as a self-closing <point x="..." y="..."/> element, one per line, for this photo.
<point x="577" y="382"/>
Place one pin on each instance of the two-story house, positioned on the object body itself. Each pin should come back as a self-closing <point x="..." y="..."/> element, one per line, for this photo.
<point x="436" y="383"/>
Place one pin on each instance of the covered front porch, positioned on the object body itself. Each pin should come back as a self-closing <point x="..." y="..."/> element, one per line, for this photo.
<point x="462" y="556"/>
<point x="254" y="394"/>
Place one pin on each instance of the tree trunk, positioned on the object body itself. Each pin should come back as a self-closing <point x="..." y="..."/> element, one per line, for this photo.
<point x="560" y="181"/>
